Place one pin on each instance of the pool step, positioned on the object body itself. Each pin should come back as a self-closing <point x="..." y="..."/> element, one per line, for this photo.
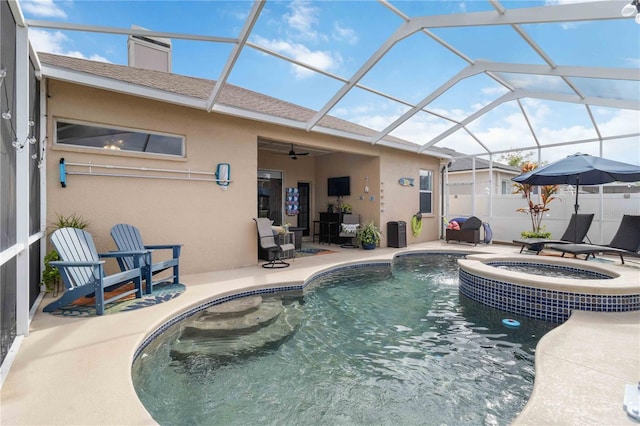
<point x="254" y="332"/>
<point x="238" y="319"/>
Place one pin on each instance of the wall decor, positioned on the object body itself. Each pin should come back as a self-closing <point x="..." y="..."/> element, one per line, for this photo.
<point x="405" y="181"/>
<point x="292" y="203"/>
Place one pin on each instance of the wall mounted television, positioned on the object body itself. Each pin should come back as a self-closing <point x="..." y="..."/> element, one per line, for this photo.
<point x="338" y="186"/>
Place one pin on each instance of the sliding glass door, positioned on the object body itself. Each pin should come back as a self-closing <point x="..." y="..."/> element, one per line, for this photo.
<point x="270" y="195"/>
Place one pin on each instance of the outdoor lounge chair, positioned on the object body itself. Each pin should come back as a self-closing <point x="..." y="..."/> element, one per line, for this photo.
<point x="82" y="270"/>
<point x="128" y="238"/>
<point x="626" y="242"/>
<point x="576" y="232"/>
<point x="270" y="244"/>
<point x="349" y="229"/>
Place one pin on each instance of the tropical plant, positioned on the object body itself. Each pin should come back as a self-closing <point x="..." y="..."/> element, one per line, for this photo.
<point x="50" y="275"/>
<point x="535" y="210"/>
<point x="368" y="233"/>
<point x="72" y="221"/>
<point x="540" y="234"/>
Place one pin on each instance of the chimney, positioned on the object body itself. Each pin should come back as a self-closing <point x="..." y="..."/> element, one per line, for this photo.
<point x="151" y="53"/>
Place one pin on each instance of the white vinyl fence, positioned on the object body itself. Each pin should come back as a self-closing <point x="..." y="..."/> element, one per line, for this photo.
<point x="506" y="223"/>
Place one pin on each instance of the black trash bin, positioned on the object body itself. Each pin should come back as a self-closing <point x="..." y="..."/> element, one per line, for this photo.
<point x="397" y="234"/>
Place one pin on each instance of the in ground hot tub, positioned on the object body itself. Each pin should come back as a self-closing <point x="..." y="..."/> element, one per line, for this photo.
<point x="548" y="288"/>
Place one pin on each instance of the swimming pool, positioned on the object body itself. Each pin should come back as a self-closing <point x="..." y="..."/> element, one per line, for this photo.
<point x="365" y="345"/>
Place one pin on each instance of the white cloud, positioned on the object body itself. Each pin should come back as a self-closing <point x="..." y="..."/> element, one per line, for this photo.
<point x="53" y="42"/>
<point x="301" y="30"/>
<point x="303" y="19"/>
<point x="323" y="60"/>
<point x="494" y="91"/>
<point x="507" y="130"/>
<point x="42" y="8"/>
<point x="634" y="62"/>
<point x="344" y="34"/>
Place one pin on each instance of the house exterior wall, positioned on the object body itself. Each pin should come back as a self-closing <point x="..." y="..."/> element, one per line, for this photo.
<point x="214" y="226"/>
<point x="400" y="203"/>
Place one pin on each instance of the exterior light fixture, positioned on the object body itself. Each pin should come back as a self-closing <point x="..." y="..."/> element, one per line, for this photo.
<point x="223" y="175"/>
<point x="631" y="9"/>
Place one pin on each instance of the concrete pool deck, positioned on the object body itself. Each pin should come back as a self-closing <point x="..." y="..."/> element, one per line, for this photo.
<point x="78" y="370"/>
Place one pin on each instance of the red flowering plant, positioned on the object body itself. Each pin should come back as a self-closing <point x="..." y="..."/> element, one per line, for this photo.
<point x="535" y="210"/>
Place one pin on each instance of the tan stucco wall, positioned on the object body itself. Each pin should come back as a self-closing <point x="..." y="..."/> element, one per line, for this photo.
<point x="400" y="203"/>
<point x="215" y="226"/>
<point x="357" y="167"/>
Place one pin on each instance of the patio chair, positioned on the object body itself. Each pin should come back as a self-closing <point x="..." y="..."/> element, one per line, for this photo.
<point x="469" y="231"/>
<point x="270" y="244"/>
<point x="626" y="242"/>
<point x="576" y="232"/>
<point x="82" y="270"/>
<point x="349" y="228"/>
<point x="128" y="238"/>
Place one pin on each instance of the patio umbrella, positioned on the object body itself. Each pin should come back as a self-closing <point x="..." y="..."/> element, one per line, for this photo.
<point x="581" y="169"/>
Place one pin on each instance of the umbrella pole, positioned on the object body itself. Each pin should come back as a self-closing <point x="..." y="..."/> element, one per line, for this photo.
<point x="576" y="208"/>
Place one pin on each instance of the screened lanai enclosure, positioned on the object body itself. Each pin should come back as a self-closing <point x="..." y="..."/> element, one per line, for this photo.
<point x="464" y="81"/>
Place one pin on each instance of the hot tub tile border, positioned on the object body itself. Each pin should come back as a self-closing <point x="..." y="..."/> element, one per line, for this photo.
<point x="547" y="305"/>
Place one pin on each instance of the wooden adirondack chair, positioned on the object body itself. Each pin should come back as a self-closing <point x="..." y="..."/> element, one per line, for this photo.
<point x="128" y="238"/>
<point x="82" y="270"/>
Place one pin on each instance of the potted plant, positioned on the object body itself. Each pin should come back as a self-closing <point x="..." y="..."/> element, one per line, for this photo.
<point x="368" y="235"/>
<point x="50" y="275"/>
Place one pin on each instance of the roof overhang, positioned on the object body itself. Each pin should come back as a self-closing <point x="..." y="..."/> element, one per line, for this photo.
<point x="118" y="86"/>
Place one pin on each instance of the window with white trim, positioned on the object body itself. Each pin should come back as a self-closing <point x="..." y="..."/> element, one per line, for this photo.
<point x="89" y="135"/>
<point x="507" y="187"/>
<point x="426" y="191"/>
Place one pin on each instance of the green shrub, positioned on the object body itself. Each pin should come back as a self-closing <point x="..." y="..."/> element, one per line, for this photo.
<point x="50" y="275"/>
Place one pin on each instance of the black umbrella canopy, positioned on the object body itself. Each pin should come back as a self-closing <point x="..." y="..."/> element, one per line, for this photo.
<point x="581" y="169"/>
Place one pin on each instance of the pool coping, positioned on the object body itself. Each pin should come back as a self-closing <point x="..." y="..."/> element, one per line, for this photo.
<point x="78" y="370"/>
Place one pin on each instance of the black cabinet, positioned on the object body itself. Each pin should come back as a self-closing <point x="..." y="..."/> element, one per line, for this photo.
<point x="397" y="234"/>
<point x="330" y="227"/>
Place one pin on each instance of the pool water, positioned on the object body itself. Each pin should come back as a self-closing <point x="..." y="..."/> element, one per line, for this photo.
<point x="550" y="270"/>
<point x="366" y="345"/>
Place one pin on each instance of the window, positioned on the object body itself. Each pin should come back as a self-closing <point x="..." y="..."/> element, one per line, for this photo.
<point x="118" y="139"/>
<point x="426" y="191"/>
<point x="507" y="187"/>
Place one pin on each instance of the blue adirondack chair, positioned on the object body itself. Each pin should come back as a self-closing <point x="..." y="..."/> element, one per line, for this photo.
<point x="82" y="270"/>
<point x="128" y="238"/>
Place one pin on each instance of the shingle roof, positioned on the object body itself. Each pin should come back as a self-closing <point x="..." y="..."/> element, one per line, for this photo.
<point x="465" y="164"/>
<point x="198" y="88"/>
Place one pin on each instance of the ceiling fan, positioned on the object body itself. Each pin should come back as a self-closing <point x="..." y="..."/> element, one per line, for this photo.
<point x="294" y="155"/>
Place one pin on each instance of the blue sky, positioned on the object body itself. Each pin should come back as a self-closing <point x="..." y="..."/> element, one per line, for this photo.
<point x="339" y="36"/>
